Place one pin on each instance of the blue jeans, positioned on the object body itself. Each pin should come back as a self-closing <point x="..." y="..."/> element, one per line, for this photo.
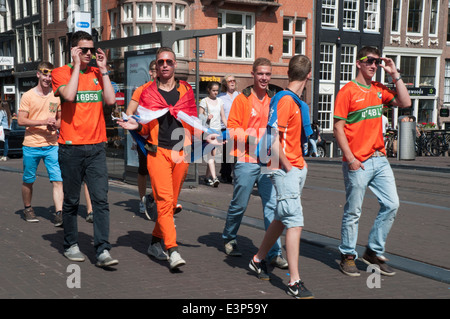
<point x="245" y="176"/>
<point x="87" y="163"/>
<point x="378" y="176"/>
<point x="6" y="142"/>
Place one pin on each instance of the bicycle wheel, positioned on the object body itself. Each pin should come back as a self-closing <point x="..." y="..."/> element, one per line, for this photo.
<point x="434" y="146"/>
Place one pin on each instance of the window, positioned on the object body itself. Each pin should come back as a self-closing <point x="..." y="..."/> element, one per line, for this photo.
<point x="326" y="62"/>
<point x="62" y="51"/>
<point x="329" y="13"/>
<point x="415" y="16"/>
<point x="348" y="57"/>
<point x="144" y="11"/>
<point x="371" y="15"/>
<point x="28" y="43"/>
<point x="448" y="24"/>
<point x="34" y="7"/>
<point x="434" y="10"/>
<point x="408" y="65"/>
<point x="396" y="15"/>
<point x="62" y="5"/>
<point x="50" y="17"/>
<point x="163" y="11"/>
<point x="37" y="45"/>
<point x="26" y="11"/>
<point x="425" y="111"/>
<point x="427" y="71"/>
<point x="350" y="19"/>
<point x="294" y="36"/>
<point x="128" y="12"/>
<point x="447" y="82"/>
<point x="179" y="13"/>
<point x="237" y="44"/>
<point x="325" y="111"/>
<point x="51" y="51"/>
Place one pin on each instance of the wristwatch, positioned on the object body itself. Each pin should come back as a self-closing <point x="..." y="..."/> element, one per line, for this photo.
<point x="106" y="73"/>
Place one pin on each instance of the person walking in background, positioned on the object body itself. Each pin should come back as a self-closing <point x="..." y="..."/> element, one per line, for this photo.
<point x="247" y="122"/>
<point x="5" y="122"/>
<point x="290" y="176"/>
<point x="40" y="113"/>
<point x="211" y="110"/>
<point x="145" y="201"/>
<point x="82" y="157"/>
<point x="228" y="94"/>
<point x="314" y="139"/>
<point x="358" y="130"/>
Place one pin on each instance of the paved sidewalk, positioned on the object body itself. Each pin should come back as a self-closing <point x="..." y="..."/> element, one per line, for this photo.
<point x="33" y="266"/>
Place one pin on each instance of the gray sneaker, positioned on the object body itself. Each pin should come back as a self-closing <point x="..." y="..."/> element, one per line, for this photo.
<point x="105" y="260"/>
<point x="348" y="265"/>
<point x="157" y="251"/>
<point x="29" y="215"/>
<point x="74" y="253"/>
<point x="279" y="262"/>
<point x="175" y="260"/>
<point x="231" y="248"/>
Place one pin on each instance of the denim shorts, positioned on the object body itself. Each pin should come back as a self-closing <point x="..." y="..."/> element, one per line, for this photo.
<point x="289" y="188"/>
<point x="31" y="159"/>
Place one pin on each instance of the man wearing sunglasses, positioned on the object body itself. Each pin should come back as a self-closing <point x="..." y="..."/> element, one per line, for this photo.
<point x="83" y="90"/>
<point x="358" y="130"/>
<point x="164" y="99"/>
<point x="40" y="113"/>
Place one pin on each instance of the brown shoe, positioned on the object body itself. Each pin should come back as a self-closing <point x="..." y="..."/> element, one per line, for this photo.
<point x="29" y="215"/>
<point x="371" y="258"/>
<point x="348" y="265"/>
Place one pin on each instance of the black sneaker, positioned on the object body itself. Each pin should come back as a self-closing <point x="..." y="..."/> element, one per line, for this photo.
<point x="260" y="269"/>
<point x="299" y="291"/>
<point x="370" y="258"/>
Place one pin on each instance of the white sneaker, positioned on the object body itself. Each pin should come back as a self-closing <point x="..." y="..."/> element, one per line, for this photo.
<point x="143" y="205"/>
<point x="175" y="260"/>
<point x="157" y="251"/>
<point x="74" y="253"/>
<point x="4" y="158"/>
<point x="105" y="260"/>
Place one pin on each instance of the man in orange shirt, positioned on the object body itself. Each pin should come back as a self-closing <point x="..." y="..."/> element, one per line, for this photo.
<point x="82" y="156"/>
<point x="358" y="131"/>
<point x="247" y="122"/>
<point x="289" y="178"/>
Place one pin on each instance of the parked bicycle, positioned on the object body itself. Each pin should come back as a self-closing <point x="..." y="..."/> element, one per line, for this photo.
<point x="390" y="142"/>
<point x="423" y="144"/>
<point x="439" y="143"/>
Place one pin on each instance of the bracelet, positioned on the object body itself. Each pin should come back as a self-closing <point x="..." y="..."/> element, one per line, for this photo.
<point x="397" y="79"/>
<point x="350" y="163"/>
<point x="106" y="73"/>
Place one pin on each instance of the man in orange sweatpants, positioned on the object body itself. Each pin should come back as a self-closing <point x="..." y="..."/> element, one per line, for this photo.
<point x="165" y="132"/>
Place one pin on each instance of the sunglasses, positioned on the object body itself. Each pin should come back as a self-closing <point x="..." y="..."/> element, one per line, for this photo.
<point x="169" y="62"/>
<point x="85" y="50"/>
<point x="45" y="71"/>
<point x="371" y="60"/>
<point x="231" y="81"/>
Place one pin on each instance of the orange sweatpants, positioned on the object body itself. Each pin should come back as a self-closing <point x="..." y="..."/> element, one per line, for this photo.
<point x="167" y="172"/>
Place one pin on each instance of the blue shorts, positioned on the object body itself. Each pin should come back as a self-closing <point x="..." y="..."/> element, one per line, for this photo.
<point x="31" y="158"/>
<point x="289" y="188"/>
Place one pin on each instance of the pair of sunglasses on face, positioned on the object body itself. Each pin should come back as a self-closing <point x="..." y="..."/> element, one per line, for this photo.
<point x="370" y="60"/>
<point x="92" y="50"/>
<point x="45" y="71"/>
<point x="169" y="62"/>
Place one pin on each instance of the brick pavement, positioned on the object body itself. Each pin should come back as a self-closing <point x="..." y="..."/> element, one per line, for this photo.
<point x="33" y="266"/>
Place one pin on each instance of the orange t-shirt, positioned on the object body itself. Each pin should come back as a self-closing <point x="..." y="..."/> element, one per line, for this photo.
<point x="82" y="121"/>
<point x="361" y="108"/>
<point x="290" y="130"/>
<point x="137" y="93"/>
<point x="39" y="107"/>
<point x="247" y="121"/>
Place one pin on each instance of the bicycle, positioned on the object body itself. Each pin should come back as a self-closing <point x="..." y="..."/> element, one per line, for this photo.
<point x="438" y="144"/>
<point x="390" y="138"/>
